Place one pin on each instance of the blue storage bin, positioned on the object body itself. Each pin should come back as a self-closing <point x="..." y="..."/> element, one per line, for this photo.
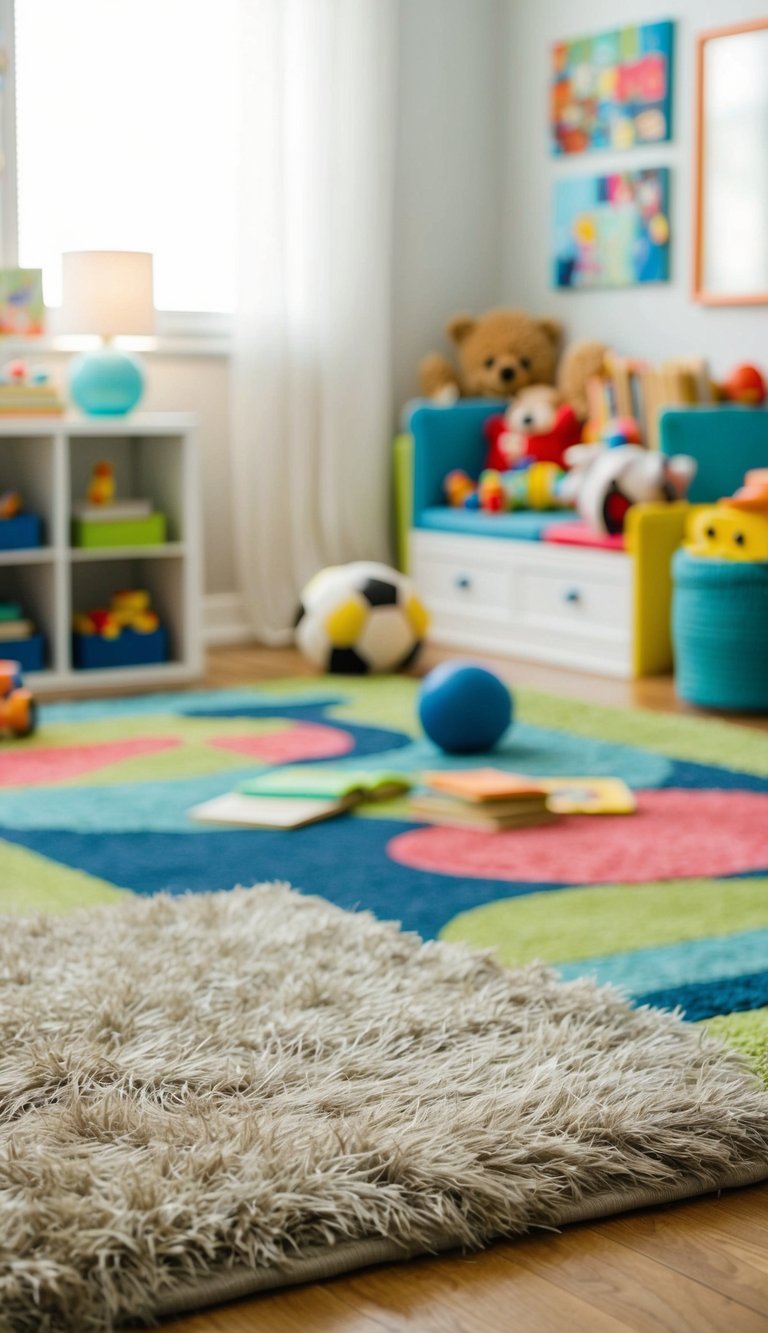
<point x="720" y="632"/>
<point x="20" y="532"/>
<point x="90" y="651"/>
<point x="29" y="653"/>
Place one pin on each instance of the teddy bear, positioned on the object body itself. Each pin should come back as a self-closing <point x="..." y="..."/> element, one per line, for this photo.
<point x="498" y="353"/>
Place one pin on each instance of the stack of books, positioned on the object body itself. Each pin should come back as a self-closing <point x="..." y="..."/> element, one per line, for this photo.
<point x="482" y="798"/>
<point x="21" y="399"/>
<point x="14" y="627"/>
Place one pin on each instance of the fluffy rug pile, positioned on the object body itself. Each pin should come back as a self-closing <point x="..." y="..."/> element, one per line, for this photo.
<point x="207" y="1095"/>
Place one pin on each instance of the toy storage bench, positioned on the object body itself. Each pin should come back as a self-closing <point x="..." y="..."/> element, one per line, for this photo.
<point x="493" y="583"/>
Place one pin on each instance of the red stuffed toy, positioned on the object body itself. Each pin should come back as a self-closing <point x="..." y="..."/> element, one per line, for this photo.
<point x="537" y="427"/>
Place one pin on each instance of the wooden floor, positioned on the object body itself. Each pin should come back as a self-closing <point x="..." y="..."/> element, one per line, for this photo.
<point x="697" y="1267"/>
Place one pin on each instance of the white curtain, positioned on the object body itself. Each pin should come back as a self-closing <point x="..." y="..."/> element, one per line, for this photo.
<point x="311" y="406"/>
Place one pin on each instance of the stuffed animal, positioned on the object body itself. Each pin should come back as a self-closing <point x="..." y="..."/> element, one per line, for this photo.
<point x="604" y="483"/>
<point x="498" y="354"/>
<point x="538" y="486"/>
<point x="537" y="427"/>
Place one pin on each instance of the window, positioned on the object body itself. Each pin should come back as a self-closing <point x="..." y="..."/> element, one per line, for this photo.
<point x="126" y="120"/>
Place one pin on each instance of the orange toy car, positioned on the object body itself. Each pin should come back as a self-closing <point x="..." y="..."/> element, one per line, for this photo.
<point x="18" y="710"/>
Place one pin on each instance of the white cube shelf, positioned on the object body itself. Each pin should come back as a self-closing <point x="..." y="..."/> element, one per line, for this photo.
<point x="50" y="462"/>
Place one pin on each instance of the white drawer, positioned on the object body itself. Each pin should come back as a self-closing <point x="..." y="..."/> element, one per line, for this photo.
<point x="482" y="590"/>
<point x="562" y="599"/>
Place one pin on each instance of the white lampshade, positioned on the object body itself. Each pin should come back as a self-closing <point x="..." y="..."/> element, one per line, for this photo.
<point x="108" y="292"/>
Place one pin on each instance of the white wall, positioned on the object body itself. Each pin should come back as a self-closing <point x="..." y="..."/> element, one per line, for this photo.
<point x="449" y="176"/>
<point x="660" y="320"/>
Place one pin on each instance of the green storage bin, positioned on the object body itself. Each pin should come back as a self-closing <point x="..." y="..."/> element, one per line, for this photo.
<point x="148" y="531"/>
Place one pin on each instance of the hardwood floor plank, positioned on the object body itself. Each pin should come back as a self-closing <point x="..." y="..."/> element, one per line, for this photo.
<point x="626" y="1283"/>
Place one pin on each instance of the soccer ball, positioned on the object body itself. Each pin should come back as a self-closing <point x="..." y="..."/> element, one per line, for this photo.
<point x="360" y="618"/>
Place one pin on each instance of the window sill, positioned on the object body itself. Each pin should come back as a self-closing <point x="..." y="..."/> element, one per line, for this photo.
<point x="171" y="345"/>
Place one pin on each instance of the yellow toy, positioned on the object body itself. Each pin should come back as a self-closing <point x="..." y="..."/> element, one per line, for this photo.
<point x="736" y="528"/>
<point x="130" y="609"/>
<point x="101" y="490"/>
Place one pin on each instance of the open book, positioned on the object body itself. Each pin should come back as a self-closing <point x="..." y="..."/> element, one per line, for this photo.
<point x="295" y="797"/>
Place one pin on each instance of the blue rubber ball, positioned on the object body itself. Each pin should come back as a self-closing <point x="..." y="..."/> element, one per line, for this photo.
<point x="463" y="708"/>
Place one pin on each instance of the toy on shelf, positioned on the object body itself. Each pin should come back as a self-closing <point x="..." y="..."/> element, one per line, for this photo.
<point x="26" y="392"/>
<point x="746" y="385"/>
<point x="736" y="528"/>
<point x="126" y="633"/>
<point x="537" y="427"/>
<point x="538" y="486"/>
<point x="20" y="636"/>
<point x="18" y="530"/>
<point x="360" y="618"/>
<point x="103" y="521"/>
<point x="18" y="710"/>
<point x="604" y="483"/>
<point x="101" y="490"/>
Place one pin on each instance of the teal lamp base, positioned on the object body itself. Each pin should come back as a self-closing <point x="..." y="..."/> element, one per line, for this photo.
<point x="106" y="383"/>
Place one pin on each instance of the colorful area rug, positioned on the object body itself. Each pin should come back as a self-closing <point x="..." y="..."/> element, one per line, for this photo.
<point x="670" y="904"/>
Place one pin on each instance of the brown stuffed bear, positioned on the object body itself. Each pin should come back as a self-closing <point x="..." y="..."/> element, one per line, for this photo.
<point x="499" y="353"/>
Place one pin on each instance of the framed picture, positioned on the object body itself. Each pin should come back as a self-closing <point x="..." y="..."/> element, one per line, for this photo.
<point x="731" y="193"/>
<point x="22" y="311"/>
<point x="613" y="90"/>
<point x="612" y="231"/>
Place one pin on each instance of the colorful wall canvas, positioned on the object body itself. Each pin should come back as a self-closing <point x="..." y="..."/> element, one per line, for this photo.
<point x="612" y="231"/>
<point x="613" y="90"/>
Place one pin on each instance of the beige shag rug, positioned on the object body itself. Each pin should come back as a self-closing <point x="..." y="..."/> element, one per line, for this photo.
<point x="209" y="1095"/>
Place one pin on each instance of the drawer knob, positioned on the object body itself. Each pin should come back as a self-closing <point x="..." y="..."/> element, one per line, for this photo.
<point x="463" y="581"/>
<point x="572" y="595"/>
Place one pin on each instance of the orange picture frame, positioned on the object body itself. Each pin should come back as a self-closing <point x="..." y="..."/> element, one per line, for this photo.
<point x="699" y="292"/>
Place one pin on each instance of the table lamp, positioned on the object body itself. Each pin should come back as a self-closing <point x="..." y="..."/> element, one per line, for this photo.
<point x="108" y="292"/>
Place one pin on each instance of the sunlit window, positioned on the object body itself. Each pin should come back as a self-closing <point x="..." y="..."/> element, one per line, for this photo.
<point x="126" y="122"/>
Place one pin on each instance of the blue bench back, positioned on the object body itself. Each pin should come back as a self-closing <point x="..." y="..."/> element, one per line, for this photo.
<point x="726" y="442"/>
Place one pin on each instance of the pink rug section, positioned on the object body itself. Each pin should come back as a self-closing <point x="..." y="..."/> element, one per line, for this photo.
<point x="675" y="834"/>
<point x="305" y="740"/>
<point x="48" y="765"/>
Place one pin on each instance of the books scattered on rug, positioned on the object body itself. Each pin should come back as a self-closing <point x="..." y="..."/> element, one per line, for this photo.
<point x="488" y="798"/>
<point x="589" y="796"/>
<point x="482" y="798"/>
<point x="295" y="797"/>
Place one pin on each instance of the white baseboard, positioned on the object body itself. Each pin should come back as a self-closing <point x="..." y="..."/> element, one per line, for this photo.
<point x="224" y="620"/>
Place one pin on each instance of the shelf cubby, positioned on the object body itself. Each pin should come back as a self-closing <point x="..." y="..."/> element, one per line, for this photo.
<point x="154" y="457"/>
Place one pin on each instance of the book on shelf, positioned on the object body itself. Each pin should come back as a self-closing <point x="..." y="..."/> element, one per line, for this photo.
<point x="296" y="797"/>
<point x="112" y="513"/>
<point x="32" y="398"/>
<point x="12" y="630"/>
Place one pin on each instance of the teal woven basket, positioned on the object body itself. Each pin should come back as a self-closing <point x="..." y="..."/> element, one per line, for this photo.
<point x="720" y="632"/>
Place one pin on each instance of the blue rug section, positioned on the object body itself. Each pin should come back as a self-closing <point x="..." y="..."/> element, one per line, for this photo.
<point x="673" y="965"/>
<point x="727" y="996"/>
<point x="214" y="702"/>
<point x="350" y="867"/>
<point x="685" y="773"/>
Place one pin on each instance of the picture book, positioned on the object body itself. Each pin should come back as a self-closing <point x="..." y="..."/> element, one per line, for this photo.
<point x="483" y="784"/>
<point x="320" y="781"/>
<point x="589" y="796"/>
<point x="489" y="815"/>
<point x="294" y="797"/>
<point x="267" y="812"/>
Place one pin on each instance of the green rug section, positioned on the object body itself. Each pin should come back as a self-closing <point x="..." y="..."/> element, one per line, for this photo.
<point x="700" y="740"/>
<point x="748" y="1032"/>
<point x="574" y="924"/>
<point x="32" y="883"/>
